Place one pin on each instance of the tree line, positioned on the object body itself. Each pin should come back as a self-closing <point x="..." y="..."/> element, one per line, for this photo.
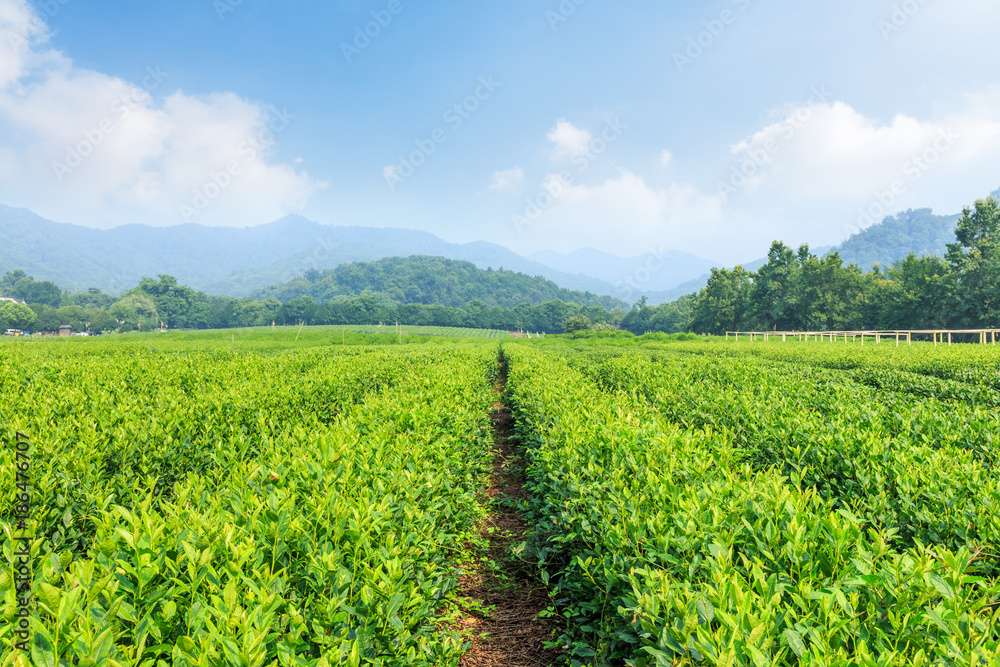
<point x="798" y="291"/>
<point x="163" y="301"/>
<point x="794" y="290"/>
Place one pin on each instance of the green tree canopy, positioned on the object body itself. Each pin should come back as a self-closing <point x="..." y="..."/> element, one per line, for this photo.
<point x="15" y="316"/>
<point x="577" y="323"/>
<point x="975" y="261"/>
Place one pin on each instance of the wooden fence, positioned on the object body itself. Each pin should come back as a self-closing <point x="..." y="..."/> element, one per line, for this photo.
<point x="986" y="336"/>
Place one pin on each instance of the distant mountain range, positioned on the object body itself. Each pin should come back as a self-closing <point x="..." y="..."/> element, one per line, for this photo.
<point x="237" y="261"/>
<point x="656" y="271"/>
<point x="243" y="261"/>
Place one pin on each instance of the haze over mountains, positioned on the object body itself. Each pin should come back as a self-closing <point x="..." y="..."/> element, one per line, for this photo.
<point x="242" y="261"/>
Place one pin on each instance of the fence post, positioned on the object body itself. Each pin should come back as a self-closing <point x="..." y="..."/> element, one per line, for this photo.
<point x="949" y="338"/>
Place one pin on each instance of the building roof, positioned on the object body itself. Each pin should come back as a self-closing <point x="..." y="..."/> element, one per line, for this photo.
<point x="7" y="298"/>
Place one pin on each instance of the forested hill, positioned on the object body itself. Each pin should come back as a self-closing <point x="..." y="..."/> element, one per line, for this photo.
<point x="917" y="231"/>
<point x="431" y="280"/>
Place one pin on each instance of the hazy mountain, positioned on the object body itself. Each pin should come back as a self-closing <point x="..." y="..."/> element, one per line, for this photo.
<point x="887" y="242"/>
<point x="242" y="261"/>
<point x="232" y="261"/>
<point x="916" y="230"/>
<point x="654" y="272"/>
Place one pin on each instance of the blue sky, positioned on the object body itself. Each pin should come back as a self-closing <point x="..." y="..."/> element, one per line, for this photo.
<point x="635" y="126"/>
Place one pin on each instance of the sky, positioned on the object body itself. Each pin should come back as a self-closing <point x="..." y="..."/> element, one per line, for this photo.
<point x="632" y="127"/>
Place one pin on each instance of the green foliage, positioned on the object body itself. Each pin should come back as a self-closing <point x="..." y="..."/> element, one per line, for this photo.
<point x="431" y="281"/>
<point x="15" y="316"/>
<point x="136" y="311"/>
<point x="33" y="292"/>
<point x="577" y="323"/>
<point x="888" y="241"/>
<point x="705" y="510"/>
<point x="975" y="259"/>
<point x="199" y="508"/>
<point x="797" y="291"/>
<point x="180" y="307"/>
<point x="9" y="280"/>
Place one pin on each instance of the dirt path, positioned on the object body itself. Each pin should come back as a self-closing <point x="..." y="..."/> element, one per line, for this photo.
<point x="508" y="632"/>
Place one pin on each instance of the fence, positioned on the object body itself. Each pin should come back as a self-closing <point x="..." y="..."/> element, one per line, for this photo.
<point x="986" y="336"/>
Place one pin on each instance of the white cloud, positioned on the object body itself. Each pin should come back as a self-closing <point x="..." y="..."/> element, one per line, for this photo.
<point x="833" y="150"/>
<point x="623" y="214"/>
<point x="569" y="140"/>
<point x="806" y="176"/>
<point x="665" y="158"/>
<point x="21" y="30"/>
<point x="94" y="148"/>
<point x="818" y="167"/>
<point x="509" y="179"/>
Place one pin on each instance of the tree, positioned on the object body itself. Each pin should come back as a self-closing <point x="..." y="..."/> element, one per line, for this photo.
<point x="772" y="292"/>
<point x="92" y="298"/>
<point x="577" y="323"/>
<point x="639" y="320"/>
<point x="724" y="304"/>
<point x="15" y="316"/>
<point x="919" y="295"/>
<point x="298" y="310"/>
<point x="31" y="291"/>
<point x="675" y="317"/>
<point x="10" y="279"/>
<point x="975" y="261"/>
<point x="136" y="310"/>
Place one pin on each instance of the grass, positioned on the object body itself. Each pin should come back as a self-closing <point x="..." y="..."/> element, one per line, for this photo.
<point x="264" y="339"/>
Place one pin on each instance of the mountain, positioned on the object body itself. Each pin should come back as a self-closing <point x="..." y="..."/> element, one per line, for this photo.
<point x="228" y="260"/>
<point x="887" y="242"/>
<point x="431" y="281"/>
<point x="654" y="272"/>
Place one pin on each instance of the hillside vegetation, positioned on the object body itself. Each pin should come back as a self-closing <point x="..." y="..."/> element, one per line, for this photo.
<point x="431" y="280"/>
<point x="798" y="290"/>
<point x="890" y="241"/>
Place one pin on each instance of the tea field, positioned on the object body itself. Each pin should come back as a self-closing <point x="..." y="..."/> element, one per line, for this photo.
<point x="248" y="499"/>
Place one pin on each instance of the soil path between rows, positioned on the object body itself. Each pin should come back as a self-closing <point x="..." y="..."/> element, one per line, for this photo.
<point x="509" y="631"/>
